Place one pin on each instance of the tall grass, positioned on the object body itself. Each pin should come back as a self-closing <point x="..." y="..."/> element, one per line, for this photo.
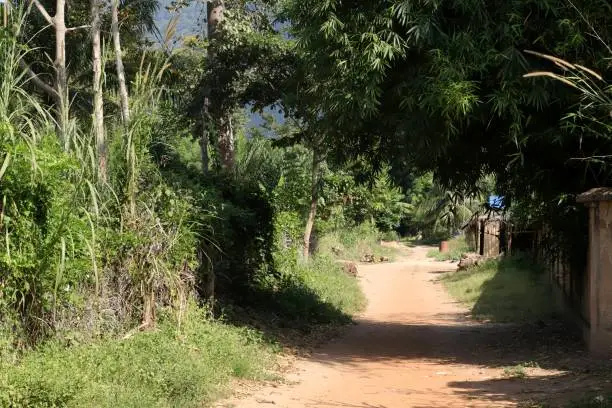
<point x="312" y="293"/>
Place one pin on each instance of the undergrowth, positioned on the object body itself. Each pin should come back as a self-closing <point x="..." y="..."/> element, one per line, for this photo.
<point x="169" y="367"/>
<point x="512" y="289"/>
<point x="353" y="244"/>
<point x="190" y="366"/>
<point x="306" y="297"/>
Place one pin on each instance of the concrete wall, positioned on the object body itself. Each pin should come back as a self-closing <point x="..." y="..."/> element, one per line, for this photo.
<point x="599" y="308"/>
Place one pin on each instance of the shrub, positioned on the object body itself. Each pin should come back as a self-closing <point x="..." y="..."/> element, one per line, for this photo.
<point x="45" y="255"/>
<point x="315" y="292"/>
<point x="243" y="234"/>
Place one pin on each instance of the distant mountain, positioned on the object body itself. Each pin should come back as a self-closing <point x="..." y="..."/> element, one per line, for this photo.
<point x="191" y="21"/>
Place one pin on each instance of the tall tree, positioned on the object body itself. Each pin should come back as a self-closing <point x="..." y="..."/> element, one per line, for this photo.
<point x="314" y="199"/>
<point x="98" y="98"/>
<point x="58" y="22"/>
<point x="123" y="90"/>
<point x="215" y="11"/>
<point x="248" y="62"/>
<point x="222" y="121"/>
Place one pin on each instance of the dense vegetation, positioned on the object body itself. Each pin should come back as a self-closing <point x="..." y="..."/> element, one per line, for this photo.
<point x="136" y="198"/>
<point x="440" y="86"/>
<point x="131" y="240"/>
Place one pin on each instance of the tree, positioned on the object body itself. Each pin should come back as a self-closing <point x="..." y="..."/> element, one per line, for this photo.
<point x="314" y="199"/>
<point x="98" y="105"/>
<point x="247" y="63"/>
<point x="58" y="22"/>
<point x="136" y="18"/>
<point x="123" y="91"/>
<point x="222" y="121"/>
<point x="439" y="86"/>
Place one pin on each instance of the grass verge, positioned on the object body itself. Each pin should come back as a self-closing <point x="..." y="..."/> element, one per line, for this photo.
<point x="512" y="289"/>
<point x="163" y="368"/>
<point x="354" y="244"/>
<point x="456" y="248"/>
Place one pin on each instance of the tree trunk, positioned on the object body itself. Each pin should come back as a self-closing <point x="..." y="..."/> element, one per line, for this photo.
<point x="61" y="76"/>
<point x="123" y="91"/>
<point x="223" y="123"/>
<point x="314" y="198"/>
<point x="204" y="139"/>
<point x="98" y="102"/>
<point x="226" y="143"/>
<point x="214" y="16"/>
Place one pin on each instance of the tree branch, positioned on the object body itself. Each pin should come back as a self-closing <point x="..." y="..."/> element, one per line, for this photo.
<point x="43" y="11"/>
<point x="597" y="157"/>
<point x="48" y="89"/>
<point x="77" y="28"/>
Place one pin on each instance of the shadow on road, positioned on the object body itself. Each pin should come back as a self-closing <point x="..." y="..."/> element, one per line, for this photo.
<point x="564" y="368"/>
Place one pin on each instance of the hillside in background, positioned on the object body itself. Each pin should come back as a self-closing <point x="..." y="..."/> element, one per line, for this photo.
<point x="191" y="18"/>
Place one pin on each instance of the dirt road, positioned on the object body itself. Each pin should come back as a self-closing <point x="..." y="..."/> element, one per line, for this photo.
<point x="414" y="347"/>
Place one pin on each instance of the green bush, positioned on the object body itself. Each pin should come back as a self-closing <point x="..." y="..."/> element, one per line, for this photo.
<point x="313" y="292"/>
<point x="243" y="234"/>
<point x="45" y="253"/>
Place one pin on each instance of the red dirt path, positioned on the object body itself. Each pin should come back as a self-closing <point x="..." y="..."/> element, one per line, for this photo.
<point x="414" y="347"/>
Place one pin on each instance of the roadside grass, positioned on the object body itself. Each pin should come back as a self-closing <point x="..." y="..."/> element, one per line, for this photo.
<point x="326" y="278"/>
<point x="305" y="295"/>
<point x="511" y="289"/>
<point x="456" y="248"/>
<point x="354" y="243"/>
<point x="162" y="368"/>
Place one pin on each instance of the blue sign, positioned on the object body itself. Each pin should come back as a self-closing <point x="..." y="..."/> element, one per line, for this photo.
<point x="496" y="202"/>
